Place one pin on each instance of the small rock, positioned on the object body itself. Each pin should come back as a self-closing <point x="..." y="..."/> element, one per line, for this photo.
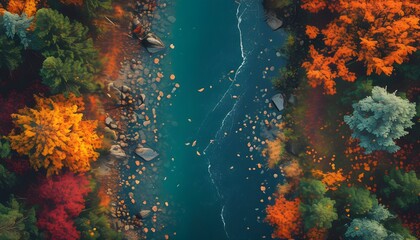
<point x="117" y="151"/>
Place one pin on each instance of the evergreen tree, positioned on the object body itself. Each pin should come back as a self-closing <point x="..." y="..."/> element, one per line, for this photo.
<point x="56" y="36"/>
<point x="379" y="119"/>
<point x="16" y="25"/>
<point x="359" y="200"/>
<point x="380" y="213"/>
<point x="321" y="214"/>
<point x="4" y="148"/>
<point x="66" y="77"/>
<point x="403" y="189"/>
<point x="16" y="223"/>
<point x="7" y="179"/>
<point x="365" y="229"/>
<point x="311" y="190"/>
<point x="10" y="53"/>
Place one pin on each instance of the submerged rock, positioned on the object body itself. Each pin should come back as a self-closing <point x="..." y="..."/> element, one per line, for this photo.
<point x="147" y="154"/>
<point x="153" y="43"/>
<point x="117" y="151"/>
<point x="144" y="213"/>
<point x="273" y="21"/>
<point x="278" y="101"/>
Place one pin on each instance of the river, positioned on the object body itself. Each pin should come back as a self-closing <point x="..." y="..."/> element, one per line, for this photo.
<point x="213" y="188"/>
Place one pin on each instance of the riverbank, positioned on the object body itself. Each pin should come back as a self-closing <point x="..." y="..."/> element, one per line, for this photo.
<point x="327" y="172"/>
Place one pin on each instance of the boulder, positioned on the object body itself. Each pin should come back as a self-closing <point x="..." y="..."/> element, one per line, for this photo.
<point x="117" y="151"/>
<point x="147" y="154"/>
<point x="278" y="101"/>
<point x="153" y="43"/>
<point x="171" y="19"/>
<point x="273" y="21"/>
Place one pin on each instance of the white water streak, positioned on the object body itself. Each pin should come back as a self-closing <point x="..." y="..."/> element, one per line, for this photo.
<point x="238" y="71"/>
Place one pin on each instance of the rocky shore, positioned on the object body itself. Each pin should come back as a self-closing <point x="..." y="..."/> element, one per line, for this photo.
<point x="139" y="90"/>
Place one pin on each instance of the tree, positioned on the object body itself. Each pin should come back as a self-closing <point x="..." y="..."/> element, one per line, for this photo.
<point x="93" y="7"/>
<point x="56" y="36"/>
<point x="365" y="229"/>
<point x="359" y="200"/>
<point x="54" y="135"/>
<point x="379" y="119"/>
<point x="58" y="224"/>
<point x="284" y="216"/>
<point x="4" y="148"/>
<point x="66" y="77"/>
<point x="292" y="170"/>
<point x="403" y="189"/>
<point x="311" y="190"/>
<point x="17" y="223"/>
<point x="331" y="179"/>
<point x="275" y="149"/>
<point x="20" y="7"/>
<point x="320" y="214"/>
<point x="16" y="25"/>
<point x="380" y="213"/>
<point x="378" y="34"/>
<point x="7" y="179"/>
<point x="10" y="53"/>
<point x="94" y="224"/>
<point x="362" y="88"/>
<point x="61" y="198"/>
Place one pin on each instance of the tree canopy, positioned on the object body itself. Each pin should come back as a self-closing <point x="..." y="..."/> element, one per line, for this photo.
<point x="61" y="198"/>
<point x="16" y="222"/>
<point x="320" y="214"/>
<point x="56" y="36"/>
<point x="377" y="33"/>
<point x="10" y="53"/>
<point x="402" y="188"/>
<point x="54" y="136"/>
<point x="359" y="200"/>
<point x="284" y="215"/>
<point x="16" y="25"/>
<point x="379" y="119"/>
<point x="66" y="77"/>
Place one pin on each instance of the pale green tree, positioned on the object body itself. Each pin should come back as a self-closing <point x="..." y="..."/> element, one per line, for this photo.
<point x="378" y="120"/>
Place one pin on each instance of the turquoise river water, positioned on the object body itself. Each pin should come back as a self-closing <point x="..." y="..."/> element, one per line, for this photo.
<point x="214" y="187"/>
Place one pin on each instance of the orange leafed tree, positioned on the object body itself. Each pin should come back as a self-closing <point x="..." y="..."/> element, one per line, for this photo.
<point x="54" y="136"/>
<point x="29" y="7"/>
<point x="377" y="33"/>
<point x="284" y="215"/>
<point x="331" y="179"/>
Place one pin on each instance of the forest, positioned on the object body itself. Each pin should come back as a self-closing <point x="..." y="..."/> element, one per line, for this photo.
<point x="349" y="143"/>
<point x="51" y="76"/>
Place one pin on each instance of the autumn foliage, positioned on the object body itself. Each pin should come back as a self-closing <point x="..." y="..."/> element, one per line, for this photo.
<point x="54" y="136"/>
<point x="378" y="33"/>
<point x="331" y="179"/>
<point x="61" y="198"/>
<point x="284" y="215"/>
<point x="27" y="7"/>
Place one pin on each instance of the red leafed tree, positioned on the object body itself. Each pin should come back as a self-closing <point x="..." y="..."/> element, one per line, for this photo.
<point x="377" y="33"/>
<point x="284" y="216"/>
<point x="62" y="198"/>
<point x="58" y="224"/>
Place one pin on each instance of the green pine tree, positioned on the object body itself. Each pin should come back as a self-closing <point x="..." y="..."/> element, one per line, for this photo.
<point x="10" y="53"/>
<point x="66" y="77"/>
<point x="17" y="223"/>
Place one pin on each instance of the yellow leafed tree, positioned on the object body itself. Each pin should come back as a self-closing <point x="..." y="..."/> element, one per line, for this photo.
<point x="28" y="7"/>
<point x="54" y="136"/>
